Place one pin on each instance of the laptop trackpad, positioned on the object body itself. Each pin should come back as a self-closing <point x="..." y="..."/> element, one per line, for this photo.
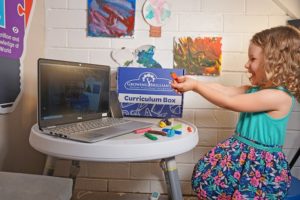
<point x="118" y="130"/>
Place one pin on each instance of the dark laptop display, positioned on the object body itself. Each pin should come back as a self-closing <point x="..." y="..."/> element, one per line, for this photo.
<point x="72" y="91"/>
<point x="74" y="102"/>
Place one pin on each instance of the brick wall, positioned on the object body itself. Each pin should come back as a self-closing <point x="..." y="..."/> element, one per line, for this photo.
<point x="235" y="20"/>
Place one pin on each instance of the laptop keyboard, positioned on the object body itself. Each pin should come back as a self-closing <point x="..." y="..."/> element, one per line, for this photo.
<point x="82" y="127"/>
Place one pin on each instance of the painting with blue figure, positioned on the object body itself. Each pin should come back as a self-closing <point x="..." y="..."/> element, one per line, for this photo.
<point x="145" y="57"/>
<point x="141" y="57"/>
<point x="111" y="18"/>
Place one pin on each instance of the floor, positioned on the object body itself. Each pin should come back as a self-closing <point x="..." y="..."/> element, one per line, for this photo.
<point x="90" y="195"/>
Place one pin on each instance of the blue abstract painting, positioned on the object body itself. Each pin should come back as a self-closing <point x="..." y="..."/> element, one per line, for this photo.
<point x="111" y="18"/>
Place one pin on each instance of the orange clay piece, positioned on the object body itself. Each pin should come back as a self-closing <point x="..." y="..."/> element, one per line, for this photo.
<point x="189" y="129"/>
<point x="174" y="76"/>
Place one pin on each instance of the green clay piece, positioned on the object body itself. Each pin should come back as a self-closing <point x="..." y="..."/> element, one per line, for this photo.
<point x="151" y="137"/>
<point x="178" y="126"/>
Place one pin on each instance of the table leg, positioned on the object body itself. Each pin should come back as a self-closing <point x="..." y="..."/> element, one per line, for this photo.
<point x="49" y="166"/>
<point x="74" y="170"/>
<point x="168" y="165"/>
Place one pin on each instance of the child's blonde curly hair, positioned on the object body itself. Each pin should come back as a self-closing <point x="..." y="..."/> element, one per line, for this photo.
<point x="281" y="49"/>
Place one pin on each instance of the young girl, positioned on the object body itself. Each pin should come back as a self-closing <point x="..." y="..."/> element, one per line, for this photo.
<point x="251" y="164"/>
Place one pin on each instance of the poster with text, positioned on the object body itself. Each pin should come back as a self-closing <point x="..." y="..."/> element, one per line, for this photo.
<point x="14" y="16"/>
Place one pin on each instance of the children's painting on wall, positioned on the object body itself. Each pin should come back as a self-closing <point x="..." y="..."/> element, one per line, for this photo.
<point x="111" y="18"/>
<point x="141" y="57"/>
<point x="198" y="55"/>
<point x="156" y="13"/>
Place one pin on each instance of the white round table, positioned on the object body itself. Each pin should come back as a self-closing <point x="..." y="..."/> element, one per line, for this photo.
<point x="125" y="148"/>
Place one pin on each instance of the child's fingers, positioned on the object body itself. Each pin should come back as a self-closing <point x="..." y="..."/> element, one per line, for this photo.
<point x="181" y="79"/>
<point x="177" y="87"/>
<point x="177" y="78"/>
<point x="177" y="91"/>
<point x="174" y="85"/>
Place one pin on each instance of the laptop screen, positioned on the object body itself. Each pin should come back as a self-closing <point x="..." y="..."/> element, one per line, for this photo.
<point x="71" y="92"/>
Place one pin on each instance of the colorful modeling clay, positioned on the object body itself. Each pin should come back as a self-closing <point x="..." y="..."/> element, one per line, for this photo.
<point x="189" y="129"/>
<point x="151" y="137"/>
<point x="157" y="132"/>
<point x="162" y="124"/>
<point x="143" y="130"/>
<point x="174" y="76"/>
<point x="171" y="133"/>
<point x="178" y="132"/>
<point x="175" y="131"/>
<point x="168" y="122"/>
<point x="178" y="126"/>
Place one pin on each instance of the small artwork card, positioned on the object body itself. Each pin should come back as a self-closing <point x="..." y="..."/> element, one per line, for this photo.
<point x="111" y="18"/>
<point x="198" y="55"/>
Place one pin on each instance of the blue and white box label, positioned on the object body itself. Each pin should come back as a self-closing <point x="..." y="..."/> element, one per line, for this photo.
<point x="146" y="92"/>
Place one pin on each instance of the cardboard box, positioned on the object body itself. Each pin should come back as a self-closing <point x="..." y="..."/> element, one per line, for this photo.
<point x="146" y="92"/>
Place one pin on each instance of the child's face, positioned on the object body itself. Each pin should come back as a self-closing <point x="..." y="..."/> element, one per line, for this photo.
<point x="255" y="65"/>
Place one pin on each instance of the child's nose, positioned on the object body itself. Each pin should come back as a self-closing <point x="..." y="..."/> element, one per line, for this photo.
<point x="247" y="65"/>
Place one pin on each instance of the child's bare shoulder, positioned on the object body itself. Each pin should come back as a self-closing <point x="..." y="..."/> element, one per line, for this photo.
<point x="276" y="94"/>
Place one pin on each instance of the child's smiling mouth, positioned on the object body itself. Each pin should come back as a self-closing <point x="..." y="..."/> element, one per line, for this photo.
<point x="250" y="75"/>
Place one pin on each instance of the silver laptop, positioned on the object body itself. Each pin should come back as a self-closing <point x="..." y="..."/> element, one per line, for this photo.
<point x="74" y="102"/>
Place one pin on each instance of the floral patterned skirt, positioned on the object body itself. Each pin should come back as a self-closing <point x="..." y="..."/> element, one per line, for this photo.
<point x="235" y="170"/>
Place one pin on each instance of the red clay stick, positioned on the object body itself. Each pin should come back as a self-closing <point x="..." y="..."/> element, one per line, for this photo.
<point x="143" y="130"/>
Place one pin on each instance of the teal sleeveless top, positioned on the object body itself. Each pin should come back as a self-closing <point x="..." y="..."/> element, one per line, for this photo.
<point x="262" y="128"/>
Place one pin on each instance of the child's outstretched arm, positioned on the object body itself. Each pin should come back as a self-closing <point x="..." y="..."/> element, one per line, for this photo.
<point x="188" y="83"/>
<point x="235" y="99"/>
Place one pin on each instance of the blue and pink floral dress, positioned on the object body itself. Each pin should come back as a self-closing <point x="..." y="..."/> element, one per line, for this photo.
<point x="248" y="165"/>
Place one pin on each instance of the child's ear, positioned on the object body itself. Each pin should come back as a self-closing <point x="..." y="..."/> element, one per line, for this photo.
<point x="269" y="74"/>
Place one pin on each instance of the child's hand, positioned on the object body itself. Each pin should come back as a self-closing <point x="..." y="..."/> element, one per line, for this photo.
<point x="183" y="84"/>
